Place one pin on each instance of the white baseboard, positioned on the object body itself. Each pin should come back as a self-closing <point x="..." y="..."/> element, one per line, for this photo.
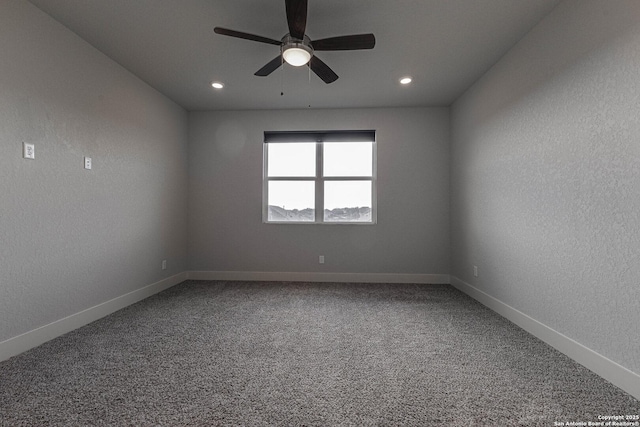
<point x="611" y="371"/>
<point x="270" y="276"/>
<point x="23" y="342"/>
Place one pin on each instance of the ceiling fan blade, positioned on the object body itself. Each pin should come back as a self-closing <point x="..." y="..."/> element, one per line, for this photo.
<point x="322" y="70"/>
<point x="297" y="17"/>
<point x="246" y="36"/>
<point x="271" y="66"/>
<point x="353" y="42"/>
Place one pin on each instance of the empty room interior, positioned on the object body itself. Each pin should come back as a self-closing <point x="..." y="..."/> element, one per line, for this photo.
<point x="319" y="243"/>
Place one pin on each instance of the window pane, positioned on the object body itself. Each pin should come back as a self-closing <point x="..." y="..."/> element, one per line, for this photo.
<point x="347" y="201"/>
<point x="291" y="201"/>
<point x="291" y="159"/>
<point x="348" y="159"/>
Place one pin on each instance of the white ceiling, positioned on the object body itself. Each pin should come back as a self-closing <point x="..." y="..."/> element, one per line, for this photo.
<point x="446" y="45"/>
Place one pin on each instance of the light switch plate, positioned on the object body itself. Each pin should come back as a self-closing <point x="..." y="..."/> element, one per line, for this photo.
<point x="28" y="150"/>
<point x="87" y="162"/>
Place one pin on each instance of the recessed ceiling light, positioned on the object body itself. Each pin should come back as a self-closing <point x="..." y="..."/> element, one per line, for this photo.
<point x="405" y="80"/>
<point x="217" y="85"/>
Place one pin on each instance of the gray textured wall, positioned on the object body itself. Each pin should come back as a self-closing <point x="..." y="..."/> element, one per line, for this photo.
<point x="72" y="238"/>
<point x="546" y="177"/>
<point x="226" y="232"/>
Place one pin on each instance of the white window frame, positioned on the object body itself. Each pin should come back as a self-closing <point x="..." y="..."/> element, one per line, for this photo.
<point x="319" y="137"/>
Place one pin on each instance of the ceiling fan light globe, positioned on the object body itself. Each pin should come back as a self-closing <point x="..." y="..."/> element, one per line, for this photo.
<point x="296" y="56"/>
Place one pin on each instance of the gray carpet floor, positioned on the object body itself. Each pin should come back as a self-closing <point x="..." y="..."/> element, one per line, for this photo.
<point x="302" y="354"/>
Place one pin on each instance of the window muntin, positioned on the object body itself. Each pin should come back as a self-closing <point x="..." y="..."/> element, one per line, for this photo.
<point x="331" y="180"/>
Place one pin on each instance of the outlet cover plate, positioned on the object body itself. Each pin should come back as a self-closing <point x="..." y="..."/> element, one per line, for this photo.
<point x="28" y="150"/>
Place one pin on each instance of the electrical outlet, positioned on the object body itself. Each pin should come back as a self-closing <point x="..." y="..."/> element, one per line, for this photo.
<point x="87" y="162"/>
<point x="28" y="150"/>
<point x="321" y="259"/>
<point x="475" y="271"/>
<point x="164" y="264"/>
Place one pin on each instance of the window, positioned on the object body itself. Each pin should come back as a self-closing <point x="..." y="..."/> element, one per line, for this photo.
<point x="319" y="177"/>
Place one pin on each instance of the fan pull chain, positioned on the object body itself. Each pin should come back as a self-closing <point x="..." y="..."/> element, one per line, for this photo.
<point x="282" y="79"/>
<point x="309" y="87"/>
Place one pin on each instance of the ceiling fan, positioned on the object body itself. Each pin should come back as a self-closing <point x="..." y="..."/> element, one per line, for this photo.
<point x="297" y="49"/>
